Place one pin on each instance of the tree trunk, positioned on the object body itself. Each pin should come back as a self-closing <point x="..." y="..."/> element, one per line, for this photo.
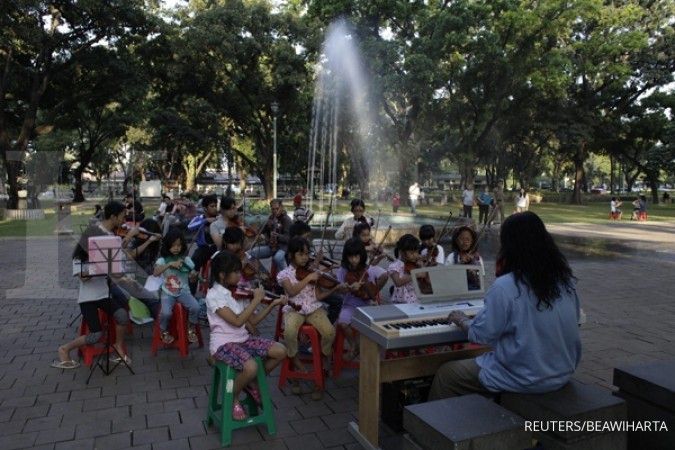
<point x="654" y="186"/>
<point x="579" y="174"/>
<point x="78" y="195"/>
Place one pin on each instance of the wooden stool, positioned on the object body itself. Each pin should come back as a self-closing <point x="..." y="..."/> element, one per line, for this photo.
<point x="339" y="362"/>
<point x="316" y="374"/>
<point x="221" y="400"/>
<point x="178" y="329"/>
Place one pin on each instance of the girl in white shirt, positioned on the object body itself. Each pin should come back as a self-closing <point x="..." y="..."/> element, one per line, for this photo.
<point x="230" y="341"/>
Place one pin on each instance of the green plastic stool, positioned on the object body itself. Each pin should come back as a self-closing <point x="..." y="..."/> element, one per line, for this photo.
<point x="221" y="401"/>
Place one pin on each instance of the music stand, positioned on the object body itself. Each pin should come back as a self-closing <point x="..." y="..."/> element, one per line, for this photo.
<point x="112" y="258"/>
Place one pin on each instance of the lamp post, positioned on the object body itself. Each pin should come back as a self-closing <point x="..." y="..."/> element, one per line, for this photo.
<point x="275" y="109"/>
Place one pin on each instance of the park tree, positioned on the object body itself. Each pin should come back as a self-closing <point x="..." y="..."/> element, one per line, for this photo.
<point x="38" y="40"/>
<point x="235" y="76"/>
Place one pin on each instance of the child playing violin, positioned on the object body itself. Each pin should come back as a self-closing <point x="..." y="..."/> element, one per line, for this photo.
<point x="364" y="283"/>
<point x="431" y="252"/>
<point x="304" y="291"/>
<point x="464" y="251"/>
<point x="407" y="252"/>
<point x="230" y="339"/>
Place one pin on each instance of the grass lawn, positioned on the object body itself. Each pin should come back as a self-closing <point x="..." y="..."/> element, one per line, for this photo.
<point x="592" y="212"/>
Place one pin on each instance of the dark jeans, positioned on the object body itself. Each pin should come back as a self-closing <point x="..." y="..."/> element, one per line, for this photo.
<point x="483" y="213"/>
<point x="467" y="211"/>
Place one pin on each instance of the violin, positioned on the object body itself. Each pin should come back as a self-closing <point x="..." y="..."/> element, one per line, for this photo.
<point x="430" y="258"/>
<point x="240" y="293"/>
<point x="143" y="234"/>
<point x="368" y="290"/>
<point x="325" y="280"/>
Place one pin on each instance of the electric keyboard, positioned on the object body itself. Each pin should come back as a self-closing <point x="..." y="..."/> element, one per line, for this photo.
<point x="447" y="289"/>
<point x="413" y="325"/>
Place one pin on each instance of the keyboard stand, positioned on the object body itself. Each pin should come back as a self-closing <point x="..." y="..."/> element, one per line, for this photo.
<point x="375" y="370"/>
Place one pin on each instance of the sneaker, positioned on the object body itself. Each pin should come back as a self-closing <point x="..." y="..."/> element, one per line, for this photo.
<point x="192" y="334"/>
<point x="167" y="338"/>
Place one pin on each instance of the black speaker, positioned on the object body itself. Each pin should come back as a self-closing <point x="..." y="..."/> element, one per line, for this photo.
<point x="399" y="394"/>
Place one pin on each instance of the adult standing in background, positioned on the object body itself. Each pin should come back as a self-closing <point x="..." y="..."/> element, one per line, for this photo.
<point x="414" y="195"/>
<point x="468" y="200"/>
<point x="484" y="202"/>
<point x="522" y="201"/>
<point x="499" y="200"/>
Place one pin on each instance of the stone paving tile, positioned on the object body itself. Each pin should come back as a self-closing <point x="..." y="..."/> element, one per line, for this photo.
<point x="163" y="404"/>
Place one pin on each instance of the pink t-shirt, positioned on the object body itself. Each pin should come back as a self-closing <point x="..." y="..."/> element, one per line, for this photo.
<point x="222" y="332"/>
<point x="305" y="298"/>
<point x="405" y="293"/>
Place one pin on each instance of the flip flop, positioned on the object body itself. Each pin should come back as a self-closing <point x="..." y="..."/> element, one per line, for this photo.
<point x="116" y="359"/>
<point x="65" y="364"/>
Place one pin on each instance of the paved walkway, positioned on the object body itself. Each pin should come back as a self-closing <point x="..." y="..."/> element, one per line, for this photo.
<point x="626" y="295"/>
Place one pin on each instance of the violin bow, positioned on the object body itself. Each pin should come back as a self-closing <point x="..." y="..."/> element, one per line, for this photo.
<point x="444" y="229"/>
<point x="482" y="230"/>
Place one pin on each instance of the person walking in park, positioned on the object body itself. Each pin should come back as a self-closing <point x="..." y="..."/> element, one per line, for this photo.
<point x="468" y="200"/>
<point x="395" y="202"/>
<point x="522" y="201"/>
<point x="413" y="196"/>
<point x="484" y="202"/>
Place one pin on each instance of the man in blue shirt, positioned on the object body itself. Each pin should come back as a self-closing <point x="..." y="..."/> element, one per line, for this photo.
<point x="530" y="320"/>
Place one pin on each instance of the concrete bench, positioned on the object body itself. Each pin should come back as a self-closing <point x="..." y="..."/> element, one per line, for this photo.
<point x="574" y="404"/>
<point x="463" y="423"/>
<point x="649" y="392"/>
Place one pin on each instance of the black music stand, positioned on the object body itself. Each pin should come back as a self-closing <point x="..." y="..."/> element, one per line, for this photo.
<point x="110" y="255"/>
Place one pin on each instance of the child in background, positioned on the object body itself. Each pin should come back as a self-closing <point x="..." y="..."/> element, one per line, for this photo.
<point x="614" y="210"/>
<point x="428" y="238"/>
<point x="306" y="294"/>
<point x="407" y="252"/>
<point x="364" y="282"/>
<point x="230" y="341"/>
<point x="395" y="202"/>
<point x="177" y="269"/>
<point x="465" y="251"/>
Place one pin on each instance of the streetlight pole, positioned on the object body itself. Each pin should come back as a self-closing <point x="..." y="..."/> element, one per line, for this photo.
<point x="275" y="110"/>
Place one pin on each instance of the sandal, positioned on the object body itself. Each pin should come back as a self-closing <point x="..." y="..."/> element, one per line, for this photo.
<point x="317" y="395"/>
<point x="118" y="359"/>
<point x="72" y="364"/>
<point x="254" y="393"/>
<point x="238" y="412"/>
<point x="192" y="335"/>
<point x="167" y="338"/>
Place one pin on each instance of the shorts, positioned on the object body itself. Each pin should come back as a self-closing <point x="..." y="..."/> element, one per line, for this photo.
<point x="235" y="354"/>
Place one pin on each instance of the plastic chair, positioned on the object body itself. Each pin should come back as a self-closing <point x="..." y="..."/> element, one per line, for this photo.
<point x="89" y="352"/>
<point x="178" y="329"/>
<point x="316" y="374"/>
<point x="221" y="399"/>
<point x="339" y="361"/>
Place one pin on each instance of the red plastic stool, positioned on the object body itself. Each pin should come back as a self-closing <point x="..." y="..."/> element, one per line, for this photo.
<point x="279" y="328"/>
<point x="614" y="216"/>
<point x="204" y="274"/>
<point x="89" y="352"/>
<point x="316" y="374"/>
<point x="642" y="216"/>
<point x="339" y="362"/>
<point x="178" y="329"/>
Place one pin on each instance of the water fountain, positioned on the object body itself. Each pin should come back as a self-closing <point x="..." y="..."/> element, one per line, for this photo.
<point x="344" y="114"/>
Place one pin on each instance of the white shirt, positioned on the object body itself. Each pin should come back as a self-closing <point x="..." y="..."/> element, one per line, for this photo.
<point x="522" y="202"/>
<point x="467" y="197"/>
<point x="440" y="257"/>
<point x="221" y="331"/>
<point x="414" y="192"/>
